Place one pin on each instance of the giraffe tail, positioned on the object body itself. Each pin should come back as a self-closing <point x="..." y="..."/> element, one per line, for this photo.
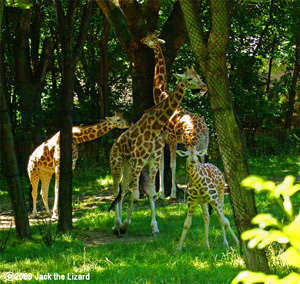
<point x="117" y="199"/>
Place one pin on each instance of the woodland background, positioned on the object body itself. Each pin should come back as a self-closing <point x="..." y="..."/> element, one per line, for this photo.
<point x="65" y="63"/>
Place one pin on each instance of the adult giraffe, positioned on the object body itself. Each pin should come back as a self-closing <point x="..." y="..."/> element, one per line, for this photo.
<point x="44" y="161"/>
<point x="140" y="145"/>
<point x="184" y="127"/>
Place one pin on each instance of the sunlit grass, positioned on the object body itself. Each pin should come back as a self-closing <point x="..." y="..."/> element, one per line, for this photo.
<point x="138" y="257"/>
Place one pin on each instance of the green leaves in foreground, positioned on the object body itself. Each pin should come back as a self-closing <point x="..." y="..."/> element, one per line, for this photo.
<point x="271" y="230"/>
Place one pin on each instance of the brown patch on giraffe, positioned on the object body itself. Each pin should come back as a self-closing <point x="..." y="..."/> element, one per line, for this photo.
<point x="160" y="77"/>
<point x="135" y="132"/>
<point x="156" y="69"/>
<point x="157" y="92"/>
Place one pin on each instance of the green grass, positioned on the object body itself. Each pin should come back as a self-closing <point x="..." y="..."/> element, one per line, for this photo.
<point x="138" y="257"/>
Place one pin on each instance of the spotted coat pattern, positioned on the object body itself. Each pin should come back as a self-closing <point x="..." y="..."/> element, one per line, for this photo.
<point x="142" y="145"/>
<point x="184" y="127"/>
<point x="45" y="159"/>
<point x="206" y="185"/>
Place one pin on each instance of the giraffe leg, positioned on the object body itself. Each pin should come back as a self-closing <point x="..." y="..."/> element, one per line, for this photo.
<point x="173" y="148"/>
<point x="56" y="191"/>
<point x="125" y="187"/>
<point x="153" y="167"/>
<point x="188" y="221"/>
<point x="225" y="224"/>
<point x="134" y="197"/>
<point x="117" y="170"/>
<point x="46" y="178"/>
<point x="206" y="221"/>
<point x="161" y="178"/>
<point x="34" y="182"/>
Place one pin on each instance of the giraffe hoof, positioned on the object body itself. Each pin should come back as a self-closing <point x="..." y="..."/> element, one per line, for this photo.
<point x="54" y="216"/>
<point x="118" y="233"/>
<point x="162" y="197"/>
<point x="154" y="234"/>
<point x="178" y="249"/>
<point x="123" y="231"/>
<point x="171" y="197"/>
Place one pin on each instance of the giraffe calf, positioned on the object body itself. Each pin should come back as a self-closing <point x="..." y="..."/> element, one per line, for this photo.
<point x="206" y="185"/>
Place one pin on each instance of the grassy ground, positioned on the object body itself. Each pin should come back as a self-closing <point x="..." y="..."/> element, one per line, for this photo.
<point x="91" y="249"/>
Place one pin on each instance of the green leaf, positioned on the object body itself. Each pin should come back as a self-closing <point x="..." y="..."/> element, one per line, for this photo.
<point x="293" y="232"/>
<point x="253" y="181"/>
<point x="258" y="184"/>
<point x="287" y="205"/>
<point x="265" y="220"/>
<point x="261" y="238"/>
<point x="292" y="257"/>
<point x="273" y="236"/>
<point x="287" y="187"/>
<point x="292" y="278"/>
<point x="254" y="277"/>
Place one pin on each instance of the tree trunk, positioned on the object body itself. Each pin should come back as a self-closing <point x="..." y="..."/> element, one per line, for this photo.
<point x="102" y="78"/>
<point x="8" y="152"/>
<point x="30" y="78"/>
<point x="70" y="56"/>
<point x="131" y="23"/>
<point x="212" y="59"/>
<point x="292" y="94"/>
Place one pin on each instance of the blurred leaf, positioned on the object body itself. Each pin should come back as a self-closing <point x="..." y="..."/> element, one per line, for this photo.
<point x="293" y="232"/>
<point x="258" y="184"/>
<point x="261" y="238"/>
<point x="265" y="220"/>
<point x="292" y="257"/>
<point x="254" y="277"/>
<point x="287" y="187"/>
<point x="288" y="207"/>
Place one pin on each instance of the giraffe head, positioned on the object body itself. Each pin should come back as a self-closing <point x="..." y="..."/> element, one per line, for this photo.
<point x="191" y="154"/>
<point x="192" y="80"/>
<point x="117" y="120"/>
<point x="152" y="40"/>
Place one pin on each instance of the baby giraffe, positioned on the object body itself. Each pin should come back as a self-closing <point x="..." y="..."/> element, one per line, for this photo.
<point x="206" y="185"/>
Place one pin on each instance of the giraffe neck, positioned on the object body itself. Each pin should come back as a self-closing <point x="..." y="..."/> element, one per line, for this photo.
<point x="160" y="82"/>
<point x="158" y="117"/>
<point x="88" y="133"/>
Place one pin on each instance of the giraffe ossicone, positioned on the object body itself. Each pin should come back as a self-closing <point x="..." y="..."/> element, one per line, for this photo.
<point x="184" y="127"/>
<point x="206" y="185"/>
<point x="45" y="159"/>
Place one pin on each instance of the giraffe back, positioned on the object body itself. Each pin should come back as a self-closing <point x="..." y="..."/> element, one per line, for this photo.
<point x="204" y="179"/>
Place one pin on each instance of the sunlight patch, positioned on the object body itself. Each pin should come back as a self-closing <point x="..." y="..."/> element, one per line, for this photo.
<point x="107" y="181"/>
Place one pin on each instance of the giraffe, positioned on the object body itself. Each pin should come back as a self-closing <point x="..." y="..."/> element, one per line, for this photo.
<point x="185" y="127"/>
<point x="206" y="185"/>
<point x="44" y="161"/>
<point x="142" y="145"/>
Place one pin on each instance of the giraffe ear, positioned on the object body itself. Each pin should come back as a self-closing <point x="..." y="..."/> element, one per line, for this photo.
<point x="202" y="152"/>
<point x="178" y="76"/>
<point x="109" y="119"/>
<point x="182" y="153"/>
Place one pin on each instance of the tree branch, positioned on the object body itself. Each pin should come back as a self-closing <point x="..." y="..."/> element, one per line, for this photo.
<point x="196" y="34"/>
<point x="83" y="28"/>
<point x="174" y="33"/>
<point x="117" y="21"/>
<point x="44" y="63"/>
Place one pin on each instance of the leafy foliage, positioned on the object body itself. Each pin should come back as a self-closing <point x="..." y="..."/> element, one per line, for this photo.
<point x="271" y="230"/>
